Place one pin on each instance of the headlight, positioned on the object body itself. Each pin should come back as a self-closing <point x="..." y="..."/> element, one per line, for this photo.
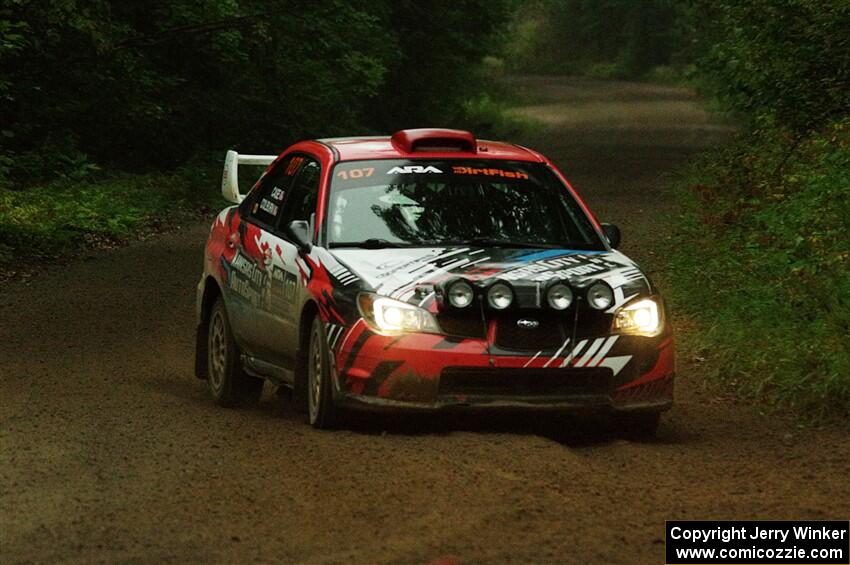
<point x="500" y="296"/>
<point x="600" y="296"/>
<point x="460" y="294"/>
<point x="559" y="296"/>
<point x="388" y="315"/>
<point x="642" y="318"/>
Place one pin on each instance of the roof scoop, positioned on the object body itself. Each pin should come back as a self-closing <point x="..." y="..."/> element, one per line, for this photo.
<point x="434" y="140"/>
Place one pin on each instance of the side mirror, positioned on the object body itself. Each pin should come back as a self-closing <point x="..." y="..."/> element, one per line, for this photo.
<point x="300" y="232"/>
<point x="612" y="232"/>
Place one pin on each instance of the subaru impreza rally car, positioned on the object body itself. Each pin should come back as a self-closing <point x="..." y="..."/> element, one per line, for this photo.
<point x="427" y="270"/>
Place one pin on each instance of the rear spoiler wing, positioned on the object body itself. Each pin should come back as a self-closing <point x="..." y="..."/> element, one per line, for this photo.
<point x="230" y="176"/>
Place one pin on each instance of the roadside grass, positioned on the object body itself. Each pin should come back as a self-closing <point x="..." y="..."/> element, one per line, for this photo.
<point x="489" y="117"/>
<point x="42" y="222"/>
<point x="762" y="265"/>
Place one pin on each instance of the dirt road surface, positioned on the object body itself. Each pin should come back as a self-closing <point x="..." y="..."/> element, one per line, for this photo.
<point x="110" y="449"/>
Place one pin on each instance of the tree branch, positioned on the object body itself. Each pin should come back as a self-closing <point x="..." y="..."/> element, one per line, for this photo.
<point x="195" y="29"/>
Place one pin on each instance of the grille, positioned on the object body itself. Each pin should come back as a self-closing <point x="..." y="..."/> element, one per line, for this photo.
<point x="467" y="323"/>
<point x="525" y="382"/>
<point x="549" y="334"/>
<point x="592" y="323"/>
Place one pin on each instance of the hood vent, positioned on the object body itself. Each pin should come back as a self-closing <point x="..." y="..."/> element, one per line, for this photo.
<point x="434" y="140"/>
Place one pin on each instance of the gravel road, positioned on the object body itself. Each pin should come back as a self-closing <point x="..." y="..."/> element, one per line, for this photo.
<point x="111" y="451"/>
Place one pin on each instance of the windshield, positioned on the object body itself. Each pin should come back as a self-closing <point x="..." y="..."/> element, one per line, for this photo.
<point x="413" y="202"/>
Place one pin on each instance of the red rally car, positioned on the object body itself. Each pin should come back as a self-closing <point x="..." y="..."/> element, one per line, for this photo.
<point x="427" y="270"/>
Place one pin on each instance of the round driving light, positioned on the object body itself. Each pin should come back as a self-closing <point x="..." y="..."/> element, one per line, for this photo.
<point x="500" y="296"/>
<point x="600" y="296"/>
<point x="460" y="294"/>
<point x="559" y="296"/>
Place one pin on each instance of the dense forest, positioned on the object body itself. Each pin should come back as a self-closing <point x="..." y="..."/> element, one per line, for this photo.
<point x="114" y="111"/>
<point x="142" y="84"/>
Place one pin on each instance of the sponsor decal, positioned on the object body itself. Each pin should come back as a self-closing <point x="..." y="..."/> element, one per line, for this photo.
<point x="413" y="169"/>
<point x="282" y="292"/>
<point x="247" y="279"/>
<point x="560" y="267"/>
<point x="490" y="172"/>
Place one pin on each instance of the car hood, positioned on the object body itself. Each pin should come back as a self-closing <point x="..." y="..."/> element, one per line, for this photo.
<point x="410" y="273"/>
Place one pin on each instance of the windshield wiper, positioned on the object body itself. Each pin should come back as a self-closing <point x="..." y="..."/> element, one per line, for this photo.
<point x="380" y="243"/>
<point x="371" y="243"/>
<point x="490" y="242"/>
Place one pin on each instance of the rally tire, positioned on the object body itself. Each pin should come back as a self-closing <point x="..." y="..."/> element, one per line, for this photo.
<point x="322" y="413"/>
<point x="227" y="382"/>
<point x="638" y="425"/>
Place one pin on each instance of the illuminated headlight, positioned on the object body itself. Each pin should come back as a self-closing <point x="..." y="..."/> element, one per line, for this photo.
<point x="641" y="317"/>
<point x="600" y="296"/>
<point x="559" y="296"/>
<point x="388" y="315"/>
<point x="460" y="294"/>
<point x="500" y="296"/>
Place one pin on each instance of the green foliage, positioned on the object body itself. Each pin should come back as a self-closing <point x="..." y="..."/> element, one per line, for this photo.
<point x="142" y="85"/>
<point x="602" y="38"/>
<point x="486" y="114"/>
<point x="441" y="44"/>
<point x="88" y="86"/>
<point x="781" y="62"/>
<point x="148" y="84"/>
<point x="46" y="220"/>
<point x="607" y="71"/>
<point x="763" y="263"/>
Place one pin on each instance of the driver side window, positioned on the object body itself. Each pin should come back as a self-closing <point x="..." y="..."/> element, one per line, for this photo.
<point x="268" y="199"/>
<point x="303" y="195"/>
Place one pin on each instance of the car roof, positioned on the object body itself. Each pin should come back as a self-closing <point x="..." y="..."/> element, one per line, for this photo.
<point x="429" y="143"/>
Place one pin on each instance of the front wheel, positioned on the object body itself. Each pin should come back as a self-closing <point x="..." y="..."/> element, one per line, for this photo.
<point x="228" y="383"/>
<point x="322" y="411"/>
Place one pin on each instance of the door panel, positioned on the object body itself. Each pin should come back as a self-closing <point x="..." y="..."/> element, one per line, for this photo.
<point x="275" y="314"/>
<point x="273" y="317"/>
<point x="257" y="278"/>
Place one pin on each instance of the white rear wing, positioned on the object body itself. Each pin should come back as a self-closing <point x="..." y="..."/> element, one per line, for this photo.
<point x="230" y="176"/>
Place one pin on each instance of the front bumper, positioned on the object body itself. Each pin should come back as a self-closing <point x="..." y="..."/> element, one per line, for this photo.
<point x="427" y="372"/>
<point x="573" y="403"/>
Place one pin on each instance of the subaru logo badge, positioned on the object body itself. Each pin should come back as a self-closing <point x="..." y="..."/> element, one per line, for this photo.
<point x="527" y="323"/>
